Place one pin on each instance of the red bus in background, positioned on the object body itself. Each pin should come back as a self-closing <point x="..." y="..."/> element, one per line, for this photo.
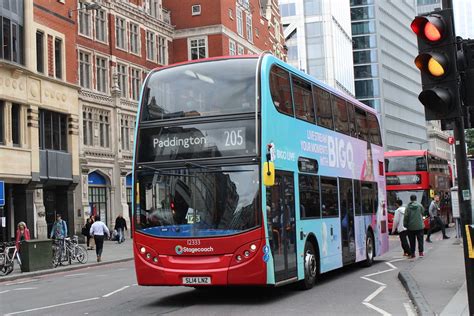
<point x="421" y="173"/>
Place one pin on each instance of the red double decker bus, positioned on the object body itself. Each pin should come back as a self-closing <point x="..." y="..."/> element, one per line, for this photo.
<point x="421" y="173"/>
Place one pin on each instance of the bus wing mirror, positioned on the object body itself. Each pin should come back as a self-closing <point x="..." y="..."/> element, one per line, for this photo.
<point x="268" y="174"/>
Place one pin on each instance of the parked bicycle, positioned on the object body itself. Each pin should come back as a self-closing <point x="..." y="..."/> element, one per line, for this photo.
<point x="8" y="254"/>
<point x="68" y="249"/>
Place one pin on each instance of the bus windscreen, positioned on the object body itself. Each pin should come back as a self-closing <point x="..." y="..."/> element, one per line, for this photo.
<point x="198" y="202"/>
<point x="201" y="89"/>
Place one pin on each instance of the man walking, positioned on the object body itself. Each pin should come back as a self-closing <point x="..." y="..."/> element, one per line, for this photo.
<point x="435" y="219"/>
<point x="120" y="226"/>
<point x="413" y="221"/>
<point x="99" y="230"/>
<point x="398" y="226"/>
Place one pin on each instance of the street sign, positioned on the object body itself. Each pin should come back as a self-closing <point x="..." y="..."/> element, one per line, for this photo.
<point x="2" y="193"/>
<point x="450" y="140"/>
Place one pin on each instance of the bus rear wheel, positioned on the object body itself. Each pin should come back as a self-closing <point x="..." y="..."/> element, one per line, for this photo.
<point x="310" y="267"/>
<point x="369" y="250"/>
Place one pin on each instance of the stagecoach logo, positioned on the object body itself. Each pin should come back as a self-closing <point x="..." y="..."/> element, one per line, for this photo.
<point x="180" y="249"/>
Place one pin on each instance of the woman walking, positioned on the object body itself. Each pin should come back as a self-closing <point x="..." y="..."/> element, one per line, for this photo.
<point x="22" y="233"/>
<point x="99" y="230"/>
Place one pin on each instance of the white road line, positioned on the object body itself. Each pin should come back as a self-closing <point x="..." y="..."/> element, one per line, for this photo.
<point x="74" y="275"/>
<point x="374" y="294"/>
<point x="6" y="291"/>
<point x="375" y="308"/>
<point x="380" y="272"/>
<point x="409" y="310"/>
<point x="52" y="306"/>
<point x="116" y="291"/>
<point x="395" y="260"/>
<point x="376" y="282"/>
<point x="25" y="288"/>
<point x="22" y="282"/>
<point x="379" y="290"/>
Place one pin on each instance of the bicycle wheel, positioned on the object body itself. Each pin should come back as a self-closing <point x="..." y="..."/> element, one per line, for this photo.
<point x="81" y="254"/>
<point x="68" y="255"/>
<point x="9" y="268"/>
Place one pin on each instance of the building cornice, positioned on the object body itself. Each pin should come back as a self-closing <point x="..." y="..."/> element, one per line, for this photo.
<point x="93" y="97"/>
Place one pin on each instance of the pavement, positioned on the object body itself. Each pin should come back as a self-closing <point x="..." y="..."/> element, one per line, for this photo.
<point x="436" y="283"/>
<point x="112" y="252"/>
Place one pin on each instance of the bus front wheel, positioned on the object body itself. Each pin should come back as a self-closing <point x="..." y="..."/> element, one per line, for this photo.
<point x="310" y="267"/>
<point x="369" y="250"/>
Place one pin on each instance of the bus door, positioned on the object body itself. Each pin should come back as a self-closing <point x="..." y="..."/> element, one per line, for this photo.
<point x="282" y="225"/>
<point x="347" y="221"/>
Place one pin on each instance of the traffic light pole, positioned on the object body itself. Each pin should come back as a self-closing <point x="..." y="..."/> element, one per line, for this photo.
<point x="464" y="196"/>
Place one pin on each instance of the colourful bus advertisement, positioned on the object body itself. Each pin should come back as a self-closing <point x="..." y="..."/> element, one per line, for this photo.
<point x="421" y="173"/>
<point x="248" y="171"/>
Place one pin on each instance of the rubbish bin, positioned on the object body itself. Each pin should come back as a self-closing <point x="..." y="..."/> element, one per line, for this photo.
<point x="36" y="255"/>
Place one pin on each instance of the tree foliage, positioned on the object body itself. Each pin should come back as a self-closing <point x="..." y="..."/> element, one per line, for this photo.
<point x="470" y="141"/>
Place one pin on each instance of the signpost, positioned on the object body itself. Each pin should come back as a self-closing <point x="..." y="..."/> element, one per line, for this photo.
<point x="3" y="219"/>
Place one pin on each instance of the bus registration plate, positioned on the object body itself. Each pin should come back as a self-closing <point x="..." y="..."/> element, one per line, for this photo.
<point x="196" y="280"/>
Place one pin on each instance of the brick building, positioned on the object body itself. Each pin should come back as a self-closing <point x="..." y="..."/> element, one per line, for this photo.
<point x="38" y="114"/>
<point x="117" y="45"/>
<point x="208" y="28"/>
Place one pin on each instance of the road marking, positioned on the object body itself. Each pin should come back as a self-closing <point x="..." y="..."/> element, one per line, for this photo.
<point x="409" y="310"/>
<point x="377" y="291"/>
<point x="374" y="294"/>
<point x="22" y="282"/>
<point x="116" y="291"/>
<point x="6" y="291"/>
<point x="25" y="288"/>
<point x="52" y="306"/>
<point x="381" y="311"/>
<point x="74" y="275"/>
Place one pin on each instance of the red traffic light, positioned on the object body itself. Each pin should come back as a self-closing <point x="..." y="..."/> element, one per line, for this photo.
<point x="431" y="28"/>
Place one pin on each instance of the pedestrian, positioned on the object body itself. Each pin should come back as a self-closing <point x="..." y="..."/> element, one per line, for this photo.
<point x="59" y="230"/>
<point x="22" y="233"/>
<point x="435" y="220"/>
<point x="413" y="221"/>
<point x="99" y="230"/>
<point x="86" y="232"/>
<point x="398" y="226"/>
<point x="120" y="226"/>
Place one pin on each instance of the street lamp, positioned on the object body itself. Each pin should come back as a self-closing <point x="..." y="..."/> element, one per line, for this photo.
<point x="419" y="143"/>
<point x="87" y="6"/>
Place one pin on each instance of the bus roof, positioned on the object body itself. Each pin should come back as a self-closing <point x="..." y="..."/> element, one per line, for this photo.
<point x="400" y="153"/>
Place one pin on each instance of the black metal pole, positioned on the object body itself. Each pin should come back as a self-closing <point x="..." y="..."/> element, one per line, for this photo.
<point x="464" y="196"/>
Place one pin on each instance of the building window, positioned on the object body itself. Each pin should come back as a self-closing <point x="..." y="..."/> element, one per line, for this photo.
<point x="40" y="51"/>
<point x="162" y="49"/>
<point x="134" y="38"/>
<point x="196" y="9"/>
<point x="87" y="128"/>
<point x="84" y="17"/>
<point x="53" y="130"/>
<point x="120" y="30"/>
<point x="197" y="48"/>
<point x="58" y="58"/>
<point x="249" y="28"/>
<point x="85" y="70"/>
<point x="288" y="9"/>
<point x="101" y="74"/>
<point x="2" y="122"/>
<point x="16" y="124"/>
<point x="125" y="133"/>
<point x="150" y="45"/>
<point x="122" y="79"/>
<point x="136" y="82"/>
<point x="11" y="39"/>
<point x="104" y="130"/>
<point x="232" y="49"/>
<point x="240" y="26"/>
<point x="240" y="50"/>
<point x="101" y="25"/>
<point x="152" y="7"/>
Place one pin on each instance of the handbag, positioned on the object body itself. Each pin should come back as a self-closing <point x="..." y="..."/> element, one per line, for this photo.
<point x="85" y="231"/>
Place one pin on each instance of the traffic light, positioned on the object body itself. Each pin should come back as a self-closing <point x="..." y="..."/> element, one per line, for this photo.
<point x="437" y="64"/>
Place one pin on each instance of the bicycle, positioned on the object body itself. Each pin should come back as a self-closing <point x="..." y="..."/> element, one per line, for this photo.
<point x="8" y="254"/>
<point x="68" y="249"/>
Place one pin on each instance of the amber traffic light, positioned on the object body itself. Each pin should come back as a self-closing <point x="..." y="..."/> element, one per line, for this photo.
<point x="437" y="64"/>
